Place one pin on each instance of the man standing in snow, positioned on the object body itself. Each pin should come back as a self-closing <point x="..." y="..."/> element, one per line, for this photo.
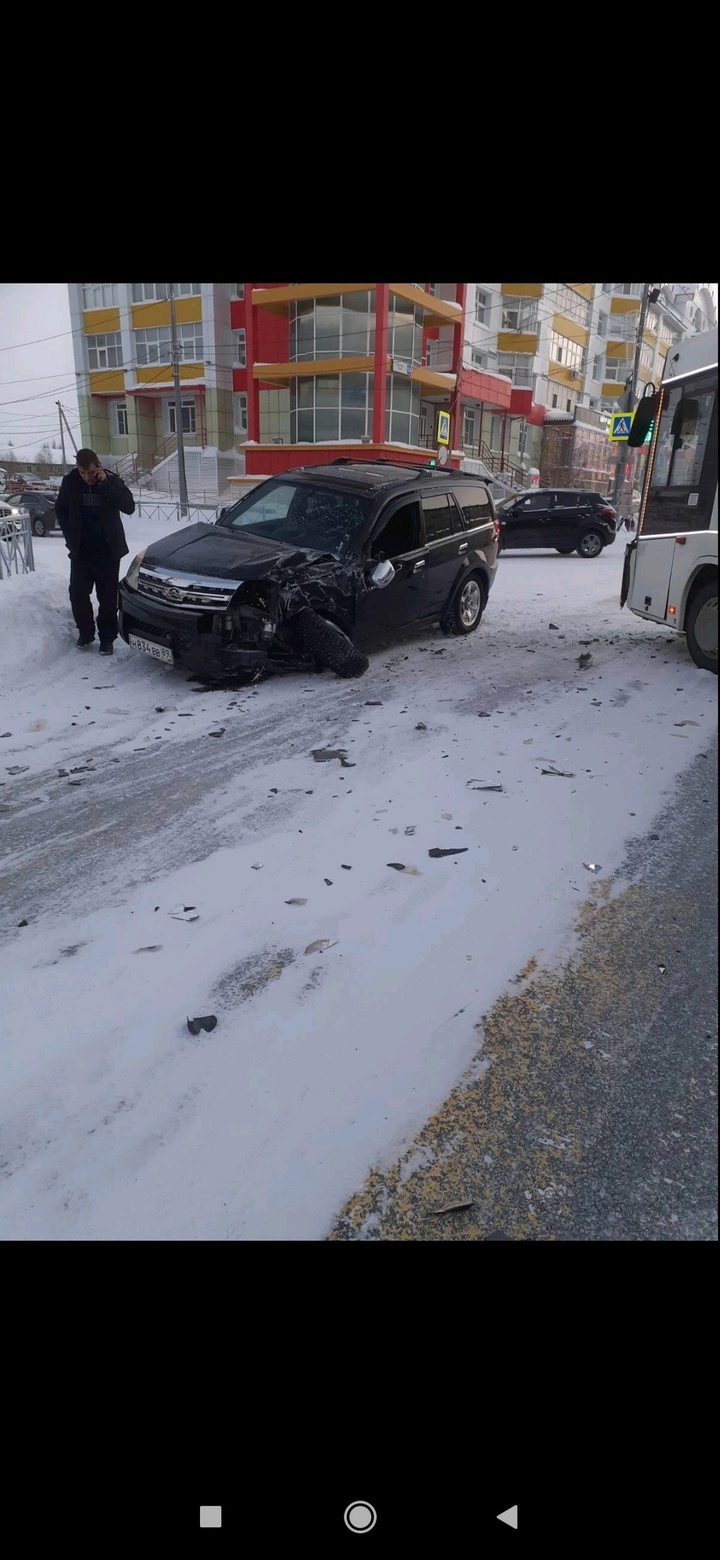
<point x="88" y="511"/>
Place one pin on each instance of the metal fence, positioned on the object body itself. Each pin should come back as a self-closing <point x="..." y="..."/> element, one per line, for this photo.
<point x="169" y="510"/>
<point x="16" y="545"/>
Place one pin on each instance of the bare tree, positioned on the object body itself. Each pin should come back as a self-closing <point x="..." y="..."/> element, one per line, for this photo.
<point x="45" y="454"/>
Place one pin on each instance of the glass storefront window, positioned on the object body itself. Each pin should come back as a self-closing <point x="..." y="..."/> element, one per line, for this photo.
<point x="331" y="406"/>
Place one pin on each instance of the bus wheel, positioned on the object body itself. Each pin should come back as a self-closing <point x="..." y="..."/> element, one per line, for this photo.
<point x="701" y="627"/>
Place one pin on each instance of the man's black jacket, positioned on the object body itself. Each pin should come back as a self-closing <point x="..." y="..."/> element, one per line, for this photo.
<point x="114" y="496"/>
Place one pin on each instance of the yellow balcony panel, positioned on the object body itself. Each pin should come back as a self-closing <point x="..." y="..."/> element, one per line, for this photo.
<point x="107" y="382"/>
<point x="522" y="289"/>
<point x="148" y="315"/>
<point x="97" y="321"/>
<point x="571" y="329"/>
<point x="161" y="373"/>
<point x="619" y="349"/>
<point x="437" y="311"/>
<point x="431" y="381"/>
<point x="564" y="376"/>
<point x="585" y="289"/>
<point x="282" y="373"/>
<point x="517" y="341"/>
<point x="624" y="305"/>
<point x="614" y="388"/>
<point x="649" y="336"/>
<point x="277" y="299"/>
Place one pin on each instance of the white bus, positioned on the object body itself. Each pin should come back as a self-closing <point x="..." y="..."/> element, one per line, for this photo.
<point x="671" y="568"/>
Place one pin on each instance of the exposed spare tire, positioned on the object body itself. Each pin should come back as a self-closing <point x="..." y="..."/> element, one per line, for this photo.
<point x="328" y="646"/>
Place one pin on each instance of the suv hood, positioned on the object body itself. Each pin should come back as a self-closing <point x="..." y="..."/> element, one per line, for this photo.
<point x="208" y="549"/>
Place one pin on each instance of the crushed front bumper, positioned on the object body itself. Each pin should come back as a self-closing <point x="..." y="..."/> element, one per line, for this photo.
<point x="198" y="640"/>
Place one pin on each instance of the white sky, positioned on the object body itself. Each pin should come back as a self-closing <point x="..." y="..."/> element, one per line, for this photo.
<point x="33" y="378"/>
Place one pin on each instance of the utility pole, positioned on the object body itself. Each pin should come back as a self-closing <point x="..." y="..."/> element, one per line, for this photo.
<point x="63" y="419"/>
<point x="182" y="480"/>
<point x="62" y="438"/>
<point x="628" y="399"/>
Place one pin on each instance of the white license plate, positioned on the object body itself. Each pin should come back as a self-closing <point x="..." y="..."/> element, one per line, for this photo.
<point x="160" y="652"/>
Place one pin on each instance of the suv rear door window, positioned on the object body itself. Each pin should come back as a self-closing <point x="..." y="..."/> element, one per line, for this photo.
<point x="438" y="514"/>
<point x="474" y="505"/>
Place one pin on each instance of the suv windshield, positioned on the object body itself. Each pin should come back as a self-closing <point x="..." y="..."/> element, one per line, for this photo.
<point x="319" y="519"/>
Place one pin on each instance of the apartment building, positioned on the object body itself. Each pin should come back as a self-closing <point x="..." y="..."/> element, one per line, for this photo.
<point x="122" y="348"/>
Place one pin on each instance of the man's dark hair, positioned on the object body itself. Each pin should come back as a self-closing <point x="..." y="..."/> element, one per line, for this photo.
<point x="86" y="458"/>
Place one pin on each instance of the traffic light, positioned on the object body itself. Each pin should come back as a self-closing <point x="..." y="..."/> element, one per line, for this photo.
<point x="645" y="413"/>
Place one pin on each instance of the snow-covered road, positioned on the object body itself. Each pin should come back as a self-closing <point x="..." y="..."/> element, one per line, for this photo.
<point x="117" y="1123"/>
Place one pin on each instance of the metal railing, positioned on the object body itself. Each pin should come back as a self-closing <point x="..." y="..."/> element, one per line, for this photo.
<point x="16" y="545"/>
<point x="169" y="510"/>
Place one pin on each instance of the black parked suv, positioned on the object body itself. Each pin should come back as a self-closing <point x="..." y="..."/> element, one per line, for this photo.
<point x="563" y="518"/>
<point x="312" y="565"/>
<point x="41" y="509"/>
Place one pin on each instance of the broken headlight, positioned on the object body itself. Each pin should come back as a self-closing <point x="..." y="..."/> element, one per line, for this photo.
<point x="132" y="576"/>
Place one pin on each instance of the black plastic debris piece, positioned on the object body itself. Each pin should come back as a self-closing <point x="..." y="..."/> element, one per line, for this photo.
<point x="421" y="726"/>
<point x="411" y="828"/>
<point x="296" y="901"/>
<point x="219" y="733"/>
<point x="159" y="709"/>
<point x="399" y="866"/>
<point x="18" y="769"/>
<point x="553" y="625"/>
<point x="653" y="836"/>
<point x="22" y="923"/>
<point x="455" y="850"/>
<point x="562" y="774"/>
<point x="5" y="734"/>
<point x="584" y="659"/>
<point x="74" y="782"/>
<point x="185" y="714"/>
<point x="453" y="1207"/>
<point x="151" y="948"/>
<point x="207" y="1023"/>
<point x="328" y="881"/>
<point x="374" y="703"/>
<point x="485" y="787"/>
<point x="273" y="790"/>
<point x="324" y="755"/>
<point x="484" y="714"/>
<point x="345" y="866"/>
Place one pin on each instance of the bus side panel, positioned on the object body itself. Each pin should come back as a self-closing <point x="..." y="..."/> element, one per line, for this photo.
<point x="651" y="576"/>
<point x="699" y="551"/>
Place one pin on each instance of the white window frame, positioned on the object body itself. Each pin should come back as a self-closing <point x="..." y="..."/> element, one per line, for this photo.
<point x="107" y="298"/>
<point x="153" y="344"/>
<point x="187" y="403"/>
<point x="190" y="342"/>
<point x="598" y="368"/>
<point x="568" y="353"/>
<point x="520" y="370"/>
<point x="240" y="411"/>
<point x="240" y="290"/>
<point x="572" y="304"/>
<point x="239" y="347"/>
<point x="483" y="303"/>
<point x="104" y="350"/>
<point x="469" y="427"/>
<point x="119" y="412"/>
<point x="602" y="324"/>
<point x="519" y="313"/>
<point x="188" y="289"/>
<point x="621" y="369"/>
<point x="148" y="292"/>
<point x="479" y="360"/>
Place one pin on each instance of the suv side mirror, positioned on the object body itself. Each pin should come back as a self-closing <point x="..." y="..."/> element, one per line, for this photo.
<point x="220" y="511"/>
<point x="383" y="574"/>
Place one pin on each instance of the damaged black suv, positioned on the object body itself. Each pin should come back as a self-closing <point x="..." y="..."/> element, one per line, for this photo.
<point x="313" y="565"/>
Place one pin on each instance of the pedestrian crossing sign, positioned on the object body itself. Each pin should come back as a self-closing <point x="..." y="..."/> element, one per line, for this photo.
<point x="620" y="425"/>
<point x="443" y="428"/>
